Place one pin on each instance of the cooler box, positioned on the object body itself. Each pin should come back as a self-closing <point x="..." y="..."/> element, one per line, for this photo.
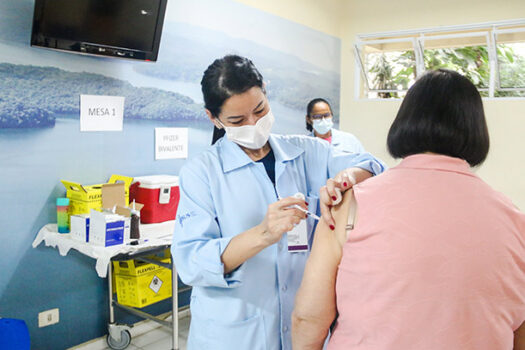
<point x="160" y="196"/>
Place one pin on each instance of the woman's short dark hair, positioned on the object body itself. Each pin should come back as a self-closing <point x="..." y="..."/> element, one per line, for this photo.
<point x="441" y="113"/>
<point x="311" y="105"/>
<point x="225" y="77"/>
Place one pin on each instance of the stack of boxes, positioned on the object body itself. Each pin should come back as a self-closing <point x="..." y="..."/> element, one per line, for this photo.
<point x="137" y="283"/>
<point x="87" y="222"/>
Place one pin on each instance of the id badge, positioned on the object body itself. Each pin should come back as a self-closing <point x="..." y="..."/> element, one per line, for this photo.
<point x="298" y="238"/>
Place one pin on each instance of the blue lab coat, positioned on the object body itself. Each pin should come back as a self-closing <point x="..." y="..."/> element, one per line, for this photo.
<point x="344" y="142"/>
<point x="224" y="193"/>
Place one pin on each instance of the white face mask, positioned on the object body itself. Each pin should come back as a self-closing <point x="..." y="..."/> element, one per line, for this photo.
<point x="251" y="136"/>
<point x="323" y="125"/>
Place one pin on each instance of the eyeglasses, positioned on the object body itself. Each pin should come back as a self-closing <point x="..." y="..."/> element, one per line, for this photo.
<point x="321" y="116"/>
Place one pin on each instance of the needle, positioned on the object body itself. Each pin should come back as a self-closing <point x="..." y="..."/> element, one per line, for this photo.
<point x="299" y="195"/>
<point x="306" y="212"/>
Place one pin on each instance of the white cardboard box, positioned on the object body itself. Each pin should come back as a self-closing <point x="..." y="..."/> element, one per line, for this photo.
<point x="79" y="227"/>
<point x="106" y="229"/>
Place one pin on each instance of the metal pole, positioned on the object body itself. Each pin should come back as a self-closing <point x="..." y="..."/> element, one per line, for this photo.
<point x="175" y="305"/>
<point x="110" y="292"/>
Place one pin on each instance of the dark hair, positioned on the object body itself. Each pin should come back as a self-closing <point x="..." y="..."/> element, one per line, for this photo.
<point x="441" y="113"/>
<point x="311" y="105"/>
<point x="225" y="77"/>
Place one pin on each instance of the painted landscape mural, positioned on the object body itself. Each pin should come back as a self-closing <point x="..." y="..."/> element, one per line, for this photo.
<point x="41" y="142"/>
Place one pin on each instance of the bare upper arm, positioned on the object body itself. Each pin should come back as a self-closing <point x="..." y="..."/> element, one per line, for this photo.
<point x="320" y="273"/>
<point x="315" y="302"/>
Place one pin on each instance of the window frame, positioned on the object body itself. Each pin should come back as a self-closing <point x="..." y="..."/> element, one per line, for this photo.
<point x="495" y="33"/>
<point x="357" y="50"/>
<point x="488" y="31"/>
<point x="480" y="34"/>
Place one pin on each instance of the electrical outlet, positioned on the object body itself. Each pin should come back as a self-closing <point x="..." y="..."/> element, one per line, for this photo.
<point x="47" y="318"/>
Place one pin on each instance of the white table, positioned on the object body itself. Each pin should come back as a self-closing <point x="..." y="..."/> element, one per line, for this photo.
<point x="153" y="237"/>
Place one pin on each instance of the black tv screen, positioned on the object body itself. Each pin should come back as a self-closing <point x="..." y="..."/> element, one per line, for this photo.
<point x="120" y="28"/>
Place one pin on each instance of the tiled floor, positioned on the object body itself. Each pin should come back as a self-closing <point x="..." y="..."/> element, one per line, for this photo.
<point x="158" y="338"/>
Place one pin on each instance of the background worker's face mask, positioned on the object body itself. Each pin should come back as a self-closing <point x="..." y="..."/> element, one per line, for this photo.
<point x="251" y="136"/>
<point x="323" y="125"/>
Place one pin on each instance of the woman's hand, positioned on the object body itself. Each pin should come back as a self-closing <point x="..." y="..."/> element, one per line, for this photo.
<point x="280" y="218"/>
<point x="331" y="193"/>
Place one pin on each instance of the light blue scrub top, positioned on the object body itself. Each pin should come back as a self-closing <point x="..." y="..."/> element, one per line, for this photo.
<point x="223" y="193"/>
<point x="345" y="142"/>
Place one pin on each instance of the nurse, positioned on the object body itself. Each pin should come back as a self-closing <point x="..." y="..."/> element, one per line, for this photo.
<point x="319" y="122"/>
<point x="235" y="208"/>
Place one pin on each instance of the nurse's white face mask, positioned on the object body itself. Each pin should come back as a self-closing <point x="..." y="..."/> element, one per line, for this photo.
<point x="251" y="136"/>
<point x="323" y="125"/>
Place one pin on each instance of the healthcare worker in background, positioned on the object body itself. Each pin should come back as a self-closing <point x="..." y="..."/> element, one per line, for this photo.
<point x="236" y="206"/>
<point x="319" y="120"/>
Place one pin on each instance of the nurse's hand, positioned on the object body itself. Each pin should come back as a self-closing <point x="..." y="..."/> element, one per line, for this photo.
<point x="331" y="193"/>
<point x="280" y="218"/>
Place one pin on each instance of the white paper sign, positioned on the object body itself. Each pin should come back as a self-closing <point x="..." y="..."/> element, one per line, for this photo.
<point x="171" y="143"/>
<point x="101" y="113"/>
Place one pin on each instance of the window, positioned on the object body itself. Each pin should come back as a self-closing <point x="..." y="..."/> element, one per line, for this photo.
<point x="464" y="53"/>
<point x="510" y="49"/>
<point x="491" y="55"/>
<point x="389" y="67"/>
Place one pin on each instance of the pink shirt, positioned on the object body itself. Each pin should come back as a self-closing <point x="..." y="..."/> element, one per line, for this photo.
<point x="436" y="262"/>
<point x="329" y="139"/>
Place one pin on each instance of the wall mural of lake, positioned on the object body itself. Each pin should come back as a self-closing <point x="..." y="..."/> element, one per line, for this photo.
<point x="41" y="142"/>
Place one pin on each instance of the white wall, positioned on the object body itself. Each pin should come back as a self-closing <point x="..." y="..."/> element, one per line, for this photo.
<point x="504" y="168"/>
<point x="323" y="15"/>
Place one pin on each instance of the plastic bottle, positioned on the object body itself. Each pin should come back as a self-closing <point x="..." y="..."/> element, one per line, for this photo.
<point x="134" y="224"/>
<point x="62" y="215"/>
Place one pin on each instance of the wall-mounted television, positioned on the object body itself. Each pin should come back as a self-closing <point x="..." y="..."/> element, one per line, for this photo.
<point x="119" y="28"/>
